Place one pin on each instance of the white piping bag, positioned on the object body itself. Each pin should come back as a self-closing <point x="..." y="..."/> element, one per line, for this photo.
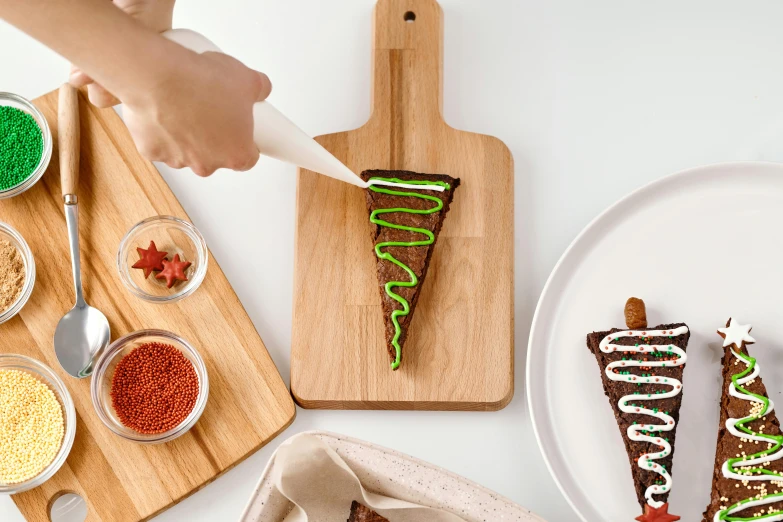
<point x="278" y="137"/>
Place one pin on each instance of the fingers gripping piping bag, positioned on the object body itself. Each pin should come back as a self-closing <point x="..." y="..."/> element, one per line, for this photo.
<point x="277" y="137"/>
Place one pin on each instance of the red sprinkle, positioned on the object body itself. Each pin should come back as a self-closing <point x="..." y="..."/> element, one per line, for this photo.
<point x="154" y="388"/>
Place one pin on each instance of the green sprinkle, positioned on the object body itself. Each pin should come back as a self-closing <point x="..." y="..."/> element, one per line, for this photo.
<point x="21" y="146"/>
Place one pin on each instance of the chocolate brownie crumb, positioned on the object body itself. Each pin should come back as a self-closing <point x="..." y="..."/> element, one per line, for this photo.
<point x="361" y="513"/>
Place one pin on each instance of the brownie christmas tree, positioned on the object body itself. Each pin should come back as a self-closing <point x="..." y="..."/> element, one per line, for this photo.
<point x="642" y="369"/>
<point x="747" y="482"/>
<point x="406" y="221"/>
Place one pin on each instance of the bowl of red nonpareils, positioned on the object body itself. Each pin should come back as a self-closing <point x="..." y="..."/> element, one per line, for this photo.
<point x="162" y="259"/>
<point x="150" y="386"/>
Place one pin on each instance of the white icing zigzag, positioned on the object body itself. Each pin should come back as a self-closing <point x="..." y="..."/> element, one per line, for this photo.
<point x="634" y="431"/>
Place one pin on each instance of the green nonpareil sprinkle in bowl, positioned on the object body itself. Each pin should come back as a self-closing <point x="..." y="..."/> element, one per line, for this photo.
<point x="25" y="144"/>
<point x="21" y="146"/>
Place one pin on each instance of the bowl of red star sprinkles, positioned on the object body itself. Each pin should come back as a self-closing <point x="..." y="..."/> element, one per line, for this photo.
<point x="37" y="425"/>
<point x="162" y="259"/>
<point x="150" y="386"/>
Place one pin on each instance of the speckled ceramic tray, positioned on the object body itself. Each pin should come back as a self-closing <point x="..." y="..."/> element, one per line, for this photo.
<point x="394" y="474"/>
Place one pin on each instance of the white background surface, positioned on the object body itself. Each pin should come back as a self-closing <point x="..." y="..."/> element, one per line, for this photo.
<point x="593" y="98"/>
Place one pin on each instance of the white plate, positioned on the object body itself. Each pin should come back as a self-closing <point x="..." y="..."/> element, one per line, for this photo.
<point x="394" y="474"/>
<point x="698" y="246"/>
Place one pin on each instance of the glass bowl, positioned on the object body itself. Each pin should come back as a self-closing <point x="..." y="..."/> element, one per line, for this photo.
<point x="17" y="102"/>
<point x="8" y="233"/>
<point x="172" y="235"/>
<point x="100" y="387"/>
<point x="44" y="374"/>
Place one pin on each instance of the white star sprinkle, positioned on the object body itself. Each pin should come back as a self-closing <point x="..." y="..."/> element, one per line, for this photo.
<point x="736" y="334"/>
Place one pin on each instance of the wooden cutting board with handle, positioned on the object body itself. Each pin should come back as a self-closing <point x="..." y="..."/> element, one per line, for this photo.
<point x="248" y="402"/>
<point x="459" y="351"/>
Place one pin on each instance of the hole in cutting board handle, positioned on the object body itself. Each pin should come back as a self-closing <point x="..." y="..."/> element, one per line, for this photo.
<point x="409" y="17"/>
<point x="68" y="507"/>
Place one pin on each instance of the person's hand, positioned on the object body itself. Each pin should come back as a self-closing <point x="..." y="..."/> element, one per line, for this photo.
<point x="154" y="14"/>
<point x="201" y="113"/>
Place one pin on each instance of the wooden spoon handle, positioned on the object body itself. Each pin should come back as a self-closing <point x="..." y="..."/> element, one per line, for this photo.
<point x="68" y="132"/>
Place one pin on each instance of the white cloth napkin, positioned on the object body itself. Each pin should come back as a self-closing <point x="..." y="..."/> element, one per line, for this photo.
<point x="322" y="486"/>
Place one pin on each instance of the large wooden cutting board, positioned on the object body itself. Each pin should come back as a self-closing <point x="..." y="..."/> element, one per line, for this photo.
<point x="459" y="351"/>
<point x="248" y="401"/>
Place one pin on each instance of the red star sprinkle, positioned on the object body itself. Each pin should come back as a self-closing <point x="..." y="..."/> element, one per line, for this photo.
<point x="660" y="514"/>
<point x="173" y="271"/>
<point x="150" y="259"/>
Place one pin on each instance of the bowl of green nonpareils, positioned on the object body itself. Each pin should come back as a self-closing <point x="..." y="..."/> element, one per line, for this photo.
<point x="25" y="144"/>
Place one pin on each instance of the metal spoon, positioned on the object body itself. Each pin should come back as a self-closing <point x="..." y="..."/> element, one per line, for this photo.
<point x="84" y="331"/>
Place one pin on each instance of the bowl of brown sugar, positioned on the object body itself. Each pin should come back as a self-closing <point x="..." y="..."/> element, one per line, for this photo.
<point x="17" y="272"/>
<point x="150" y="386"/>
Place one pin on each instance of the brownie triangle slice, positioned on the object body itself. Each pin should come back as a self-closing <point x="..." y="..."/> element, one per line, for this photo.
<point x="361" y="513"/>
<point x="405" y="223"/>
<point x="641" y="369"/>
<point x="747" y="481"/>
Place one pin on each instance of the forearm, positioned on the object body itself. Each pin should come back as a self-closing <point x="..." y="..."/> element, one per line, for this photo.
<point x="107" y="44"/>
<point x="182" y="108"/>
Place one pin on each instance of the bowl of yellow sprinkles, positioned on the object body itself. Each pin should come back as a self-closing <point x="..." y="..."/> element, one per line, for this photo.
<point x="37" y="423"/>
